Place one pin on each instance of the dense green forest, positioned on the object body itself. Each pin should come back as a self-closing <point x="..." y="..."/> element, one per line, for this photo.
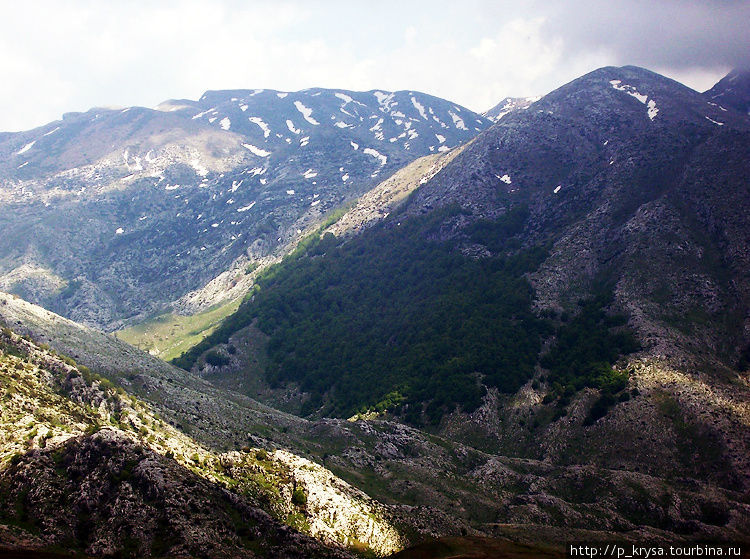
<point x="396" y="320"/>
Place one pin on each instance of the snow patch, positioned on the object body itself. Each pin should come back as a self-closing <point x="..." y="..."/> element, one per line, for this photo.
<point x="281" y="95"/>
<point x="304" y="141"/>
<point x="263" y="126"/>
<point x="195" y="164"/>
<point x="310" y="173"/>
<point x="345" y="177"/>
<point x="306" y="113"/>
<point x="292" y="129"/>
<point x="256" y="150"/>
<point x="22" y="165"/>
<point x="26" y="148"/>
<point x="505" y="178"/>
<point x="199" y="115"/>
<point x="458" y="122"/>
<point x="245" y="208"/>
<point x="355" y="146"/>
<point x="341" y="124"/>
<point x="557" y="189"/>
<point x="290" y="192"/>
<point x="716" y="122"/>
<point x="225" y="123"/>
<point x="420" y="107"/>
<point x="633" y="92"/>
<point x="243" y="108"/>
<point x="58" y="128"/>
<point x="119" y="231"/>
<point x="376" y="154"/>
<point x="384" y="99"/>
<point x="440" y="138"/>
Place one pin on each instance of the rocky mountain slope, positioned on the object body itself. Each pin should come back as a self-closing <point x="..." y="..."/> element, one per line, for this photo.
<point x="621" y="200"/>
<point x="635" y="179"/>
<point x="112" y="214"/>
<point x="732" y="91"/>
<point x="135" y="485"/>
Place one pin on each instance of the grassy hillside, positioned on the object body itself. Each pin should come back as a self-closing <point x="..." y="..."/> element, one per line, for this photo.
<point x="169" y="335"/>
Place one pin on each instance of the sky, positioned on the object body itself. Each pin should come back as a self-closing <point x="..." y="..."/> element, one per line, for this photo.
<point x="58" y="57"/>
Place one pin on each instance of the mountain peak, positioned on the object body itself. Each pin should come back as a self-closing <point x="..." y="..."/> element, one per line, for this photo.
<point x="732" y="91"/>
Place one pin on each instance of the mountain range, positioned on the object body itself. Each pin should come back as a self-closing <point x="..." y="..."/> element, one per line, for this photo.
<point x="541" y="334"/>
<point x="118" y="214"/>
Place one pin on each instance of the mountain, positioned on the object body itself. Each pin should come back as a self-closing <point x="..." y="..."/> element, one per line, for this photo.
<point x="732" y="91"/>
<point x="538" y="336"/>
<point x="115" y="214"/>
<point x="571" y="287"/>
<point x="507" y="106"/>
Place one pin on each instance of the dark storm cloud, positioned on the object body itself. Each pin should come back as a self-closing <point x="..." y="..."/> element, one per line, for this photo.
<point x="658" y="33"/>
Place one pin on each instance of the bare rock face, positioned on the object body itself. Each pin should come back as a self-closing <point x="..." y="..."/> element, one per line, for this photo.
<point x="106" y="495"/>
<point x="509" y="105"/>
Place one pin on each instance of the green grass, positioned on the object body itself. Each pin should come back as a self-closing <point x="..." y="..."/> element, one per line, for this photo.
<point x="169" y="335"/>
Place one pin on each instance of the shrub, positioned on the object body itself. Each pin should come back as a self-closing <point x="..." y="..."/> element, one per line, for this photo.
<point x="299" y="498"/>
<point x="216" y="359"/>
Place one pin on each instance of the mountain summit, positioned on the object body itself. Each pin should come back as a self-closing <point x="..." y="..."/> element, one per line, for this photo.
<point x="732" y="91"/>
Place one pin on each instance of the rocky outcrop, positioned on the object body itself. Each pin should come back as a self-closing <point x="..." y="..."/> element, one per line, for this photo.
<point x="122" y="499"/>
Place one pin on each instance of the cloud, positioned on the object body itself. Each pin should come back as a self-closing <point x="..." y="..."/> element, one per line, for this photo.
<point x="684" y="33"/>
<point x="57" y="57"/>
<point x="691" y="40"/>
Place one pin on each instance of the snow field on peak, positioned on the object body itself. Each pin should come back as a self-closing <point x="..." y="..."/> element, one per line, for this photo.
<point x="633" y="92"/>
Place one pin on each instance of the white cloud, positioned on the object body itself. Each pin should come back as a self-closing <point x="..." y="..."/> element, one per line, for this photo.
<point x="59" y="57"/>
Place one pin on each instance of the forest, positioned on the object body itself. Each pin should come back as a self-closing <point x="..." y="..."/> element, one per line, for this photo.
<point x="398" y="320"/>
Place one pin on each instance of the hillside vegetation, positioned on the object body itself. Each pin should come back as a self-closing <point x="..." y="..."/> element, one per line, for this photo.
<point x="398" y="320"/>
